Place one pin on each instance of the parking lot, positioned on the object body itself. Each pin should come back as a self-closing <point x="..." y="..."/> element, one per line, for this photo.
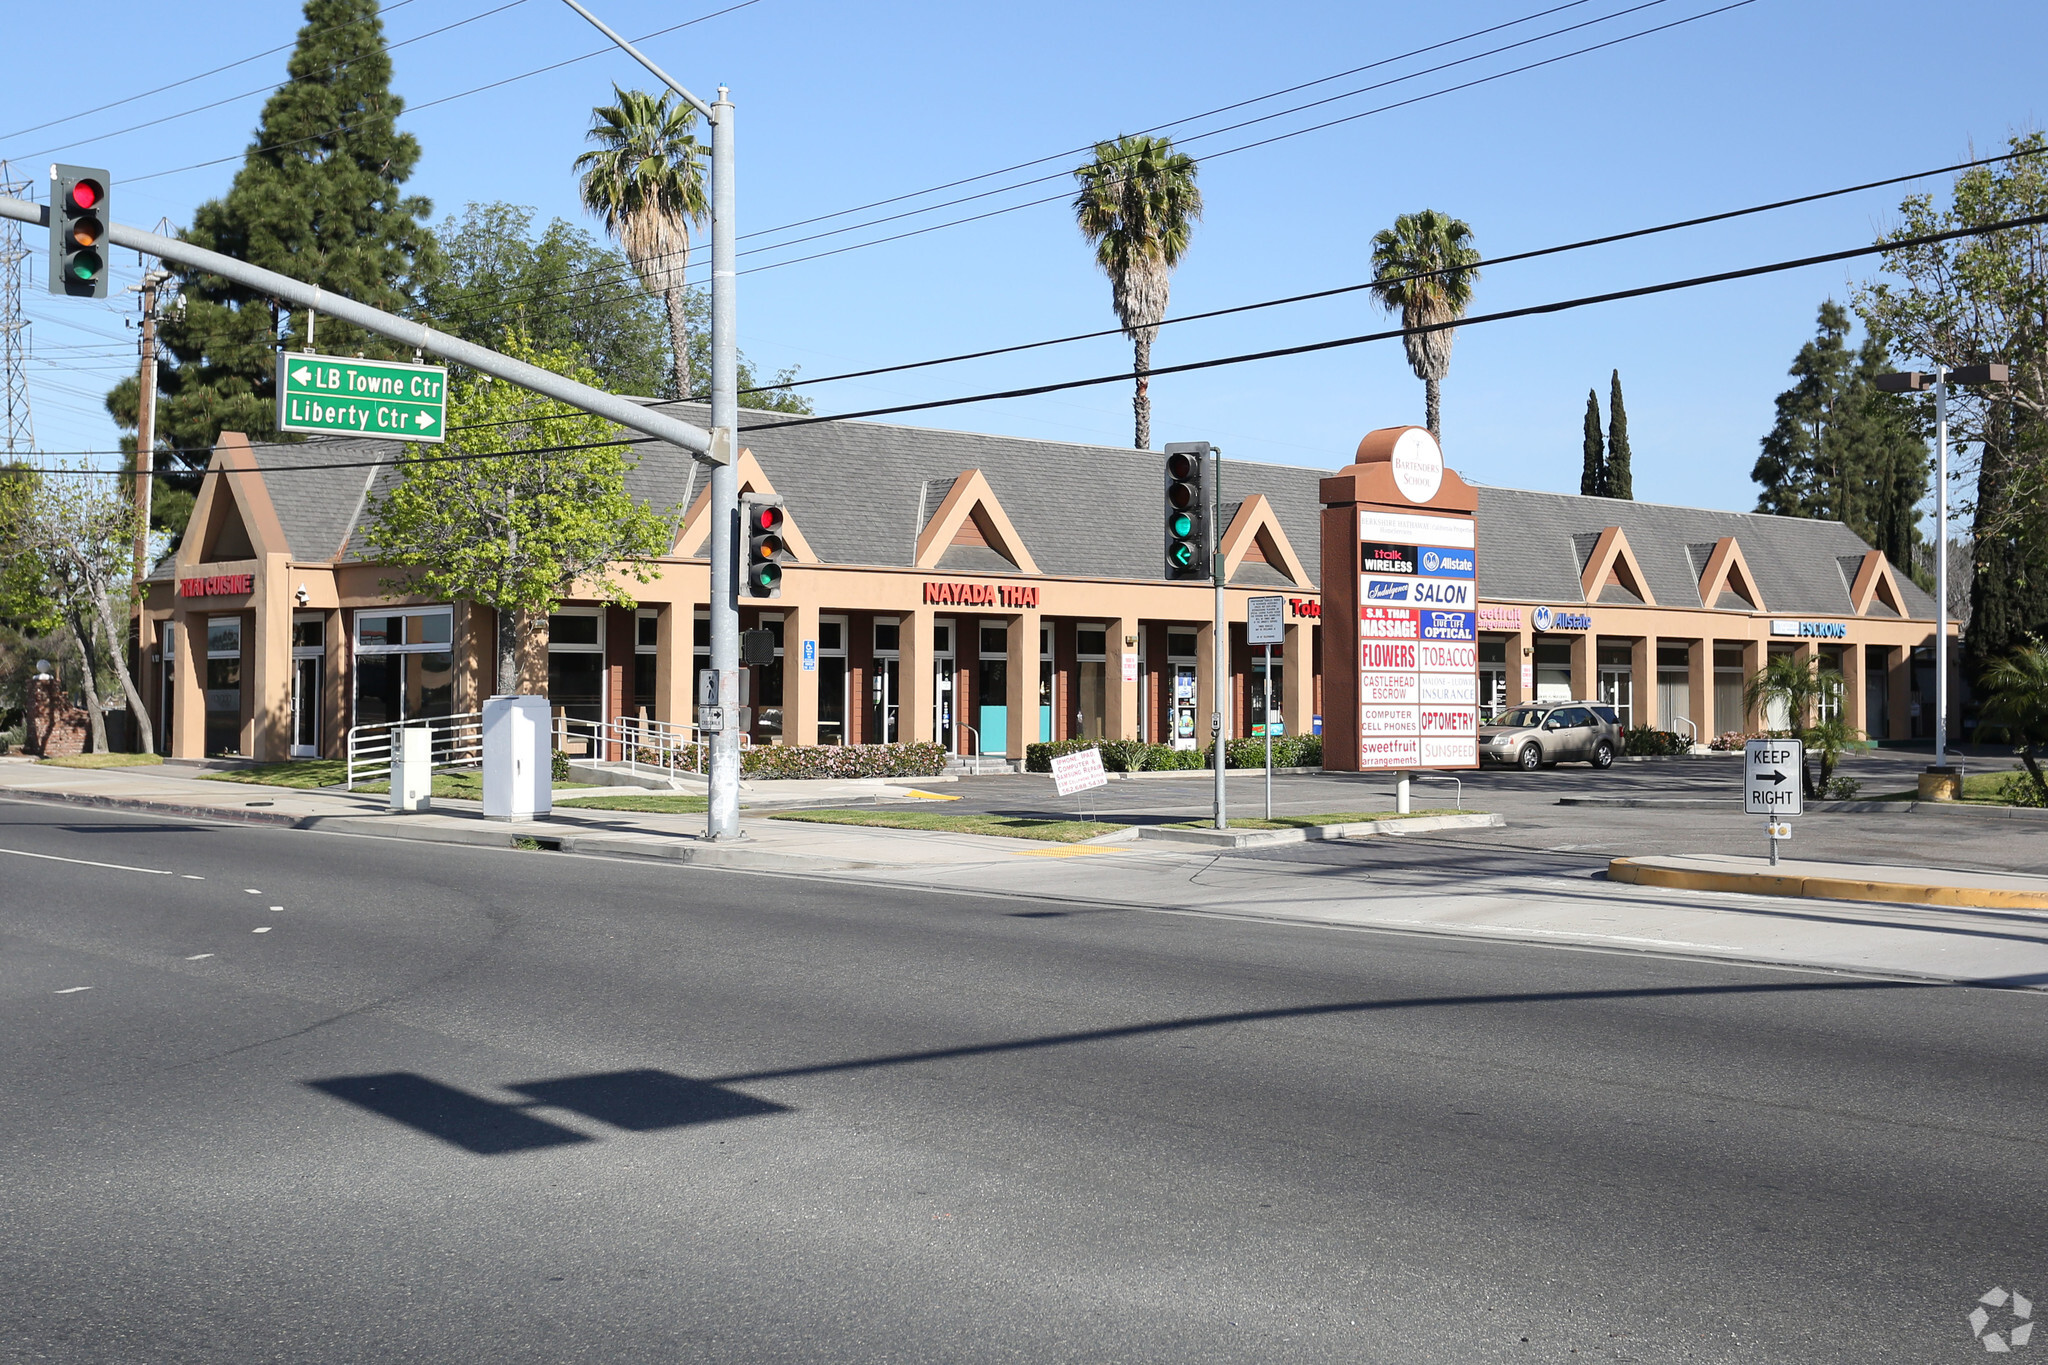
<point x="1705" y="815"/>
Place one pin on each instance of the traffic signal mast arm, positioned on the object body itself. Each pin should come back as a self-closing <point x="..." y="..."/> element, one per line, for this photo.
<point x="621" y="410"/>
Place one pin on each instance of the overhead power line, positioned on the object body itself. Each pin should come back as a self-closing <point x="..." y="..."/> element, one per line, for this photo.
<point x="1242" y="358"/>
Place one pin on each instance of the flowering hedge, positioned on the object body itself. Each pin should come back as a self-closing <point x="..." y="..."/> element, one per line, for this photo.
<point x="1135" y="756"/>
<point x="1647" y="743"/>
<point x="822" y="760"/>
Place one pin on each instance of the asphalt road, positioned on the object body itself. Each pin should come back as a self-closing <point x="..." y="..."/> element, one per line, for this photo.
<point x="470" y="1105"/>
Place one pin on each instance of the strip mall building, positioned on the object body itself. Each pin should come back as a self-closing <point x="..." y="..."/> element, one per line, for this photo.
<point x="987" y="592"/>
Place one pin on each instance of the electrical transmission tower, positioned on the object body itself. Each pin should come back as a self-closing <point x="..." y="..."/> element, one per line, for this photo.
<point x="19" y="432"/>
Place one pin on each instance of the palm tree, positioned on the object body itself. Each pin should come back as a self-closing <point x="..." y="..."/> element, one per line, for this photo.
<point x="1137" y="204"/>
<point x="646" y="181"/>
<point x="1424" y="267"/>
<point x="2016" y="705"/>
<point x="1806" y="691"/>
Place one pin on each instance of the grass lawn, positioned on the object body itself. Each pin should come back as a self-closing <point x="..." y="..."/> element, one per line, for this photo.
<point x="1979" y="789"/>
<point x="466" y="784"/>
<point x="1341" y="817"/>
<point x="1002" y="826"/>
<point x="104" y="760"/>
<point x="653" y="802"/>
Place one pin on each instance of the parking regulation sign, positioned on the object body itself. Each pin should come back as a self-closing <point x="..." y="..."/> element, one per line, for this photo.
<point x="1771" y="773"/>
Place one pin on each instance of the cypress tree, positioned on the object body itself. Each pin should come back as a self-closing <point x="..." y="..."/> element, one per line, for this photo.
<point x="317" y="198"/>
<point x="1593" y="473"/>
<point x="1800" y="477"/>
<point x="1621" y="480"/>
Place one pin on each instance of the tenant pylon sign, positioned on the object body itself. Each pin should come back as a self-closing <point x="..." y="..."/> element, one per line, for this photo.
<point x="354" y="397"/>
<point x="1400" y="642"/>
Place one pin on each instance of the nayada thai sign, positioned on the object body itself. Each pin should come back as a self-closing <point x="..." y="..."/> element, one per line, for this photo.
<point x="981" y="594"/>
<point x="220" y="585"/>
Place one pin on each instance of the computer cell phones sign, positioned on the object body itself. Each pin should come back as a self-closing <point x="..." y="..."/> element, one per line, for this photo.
<point x="1771" y="771"/>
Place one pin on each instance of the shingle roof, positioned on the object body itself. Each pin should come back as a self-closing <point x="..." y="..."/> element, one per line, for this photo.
<point x="856" y="489"/>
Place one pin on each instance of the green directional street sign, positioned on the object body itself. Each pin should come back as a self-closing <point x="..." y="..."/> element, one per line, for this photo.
<point x="338" y="397"/>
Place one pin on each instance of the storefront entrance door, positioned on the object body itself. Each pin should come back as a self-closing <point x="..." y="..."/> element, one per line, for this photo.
<point x="1184" y="696"/>
<point x="306" y="707"/>
<point x="884" y="699"/>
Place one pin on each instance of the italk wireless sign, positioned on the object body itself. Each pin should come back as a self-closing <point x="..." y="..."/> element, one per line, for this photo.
<point x="1401" y="565"/>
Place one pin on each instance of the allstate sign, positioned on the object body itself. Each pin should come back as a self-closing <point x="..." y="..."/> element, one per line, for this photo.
<point x="1543" y="618"/>
<point x="1438" y="562"/>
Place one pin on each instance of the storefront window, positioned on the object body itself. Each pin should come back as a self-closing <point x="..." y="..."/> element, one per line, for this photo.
<point x="767" y="688"/>
<point x="1091" y="698"/>
<point x="404" y="669"/>
<point x="646" y="657"/>
<point x="1493" y="676"/>
<point x="576" y="663"/>
<point x="224" y="685"/>
<point x="832" y="680"/>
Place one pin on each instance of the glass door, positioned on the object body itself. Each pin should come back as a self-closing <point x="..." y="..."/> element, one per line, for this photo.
<point x="884" y="689"/>
<point x="832" y="680"/>
<point x="993" y="680"/>
<point x="1181" y="711"/>
<point x="1617" y="689"/>
<point x="309" y="652"/>
<point x="943" y="668"/>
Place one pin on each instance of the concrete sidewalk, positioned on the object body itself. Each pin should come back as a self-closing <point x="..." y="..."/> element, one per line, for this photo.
<point x="1440" y="882"/>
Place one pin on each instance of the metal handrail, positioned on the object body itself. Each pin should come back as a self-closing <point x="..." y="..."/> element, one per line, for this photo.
<point x="1444" y="777"/>
<point x="456" y="741"/>
<point x="972" y="731"/>
<point x="664" y="746"/>
<point x="1695" y="729"/>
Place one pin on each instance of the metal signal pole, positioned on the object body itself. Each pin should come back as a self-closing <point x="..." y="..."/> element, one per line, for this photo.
<point x="722" y="819"/>
<point x="1221" y="694"/>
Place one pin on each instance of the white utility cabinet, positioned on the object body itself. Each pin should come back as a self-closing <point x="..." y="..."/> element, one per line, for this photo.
<point x="412" y="769"/>
<point x="517" y="761"/>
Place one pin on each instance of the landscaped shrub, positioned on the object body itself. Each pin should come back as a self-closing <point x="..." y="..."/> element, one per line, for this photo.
<point x="558" y="766"/>
<point x="1644" y="742"/>
<point x="774" y="761"/>
<point x="1123" y="755"/>
<point x="2019" y="790"/>
<point x="1038" y="757"/>
<point x="1842" y="788"/>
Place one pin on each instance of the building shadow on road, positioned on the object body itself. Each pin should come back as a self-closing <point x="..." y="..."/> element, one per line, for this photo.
<point x="638" y="1101"/>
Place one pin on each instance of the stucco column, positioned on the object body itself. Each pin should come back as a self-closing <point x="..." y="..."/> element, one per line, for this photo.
<point x="914" y="676"/>
<point x="1753" y="654"/>
<point x="1297" y="692"/>
<point x="1582" y="666"/>
<point x="1021" y="694"/>
<point x="1121" y="699"/>
<point x="1206" y="702"/>
<point x="1699" y="688"/>
<point x="269" y="661"/>
<point x="1521" y="655"/>
<point x="1855" y="691"/>
<point x="1898" y="690"/>
<point x="1806" y="651"/>
<point x="673" y="652"/>
<point x="799" y="687"/>
<point x="1642" y="669"/>
<point x="188" y="717"/>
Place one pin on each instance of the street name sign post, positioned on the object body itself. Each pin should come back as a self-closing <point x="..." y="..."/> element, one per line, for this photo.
<point x="1265" y="623"/>
<point x="334" y="396"/>
<point x="1772" y="784"/>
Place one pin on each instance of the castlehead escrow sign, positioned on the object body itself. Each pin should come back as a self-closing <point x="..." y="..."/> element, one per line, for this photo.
<point x="337" y="397"/>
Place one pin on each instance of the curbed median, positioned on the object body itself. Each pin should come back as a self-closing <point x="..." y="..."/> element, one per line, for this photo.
<point x="1835" y="881"/>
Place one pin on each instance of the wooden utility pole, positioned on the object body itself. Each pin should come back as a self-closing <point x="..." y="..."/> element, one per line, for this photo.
<point x="145" y="423"/>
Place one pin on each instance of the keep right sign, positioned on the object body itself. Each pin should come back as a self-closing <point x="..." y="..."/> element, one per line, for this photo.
<point x="1771" y="770"/>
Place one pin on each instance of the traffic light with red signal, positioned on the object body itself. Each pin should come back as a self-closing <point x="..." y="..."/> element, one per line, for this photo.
<point x="1187" y="510"/>
<point x="766" y="550"/>
<point x="78" y="231"/>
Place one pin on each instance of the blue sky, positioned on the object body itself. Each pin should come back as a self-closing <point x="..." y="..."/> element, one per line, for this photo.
<point x="840" y="105"/>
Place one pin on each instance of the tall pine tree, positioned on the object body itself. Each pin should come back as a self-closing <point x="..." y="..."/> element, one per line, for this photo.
<point x="2009" y="589"/>
<point x="317" y="198"/>
<point x="1621" y="479"/>
<point x="1593" y="472"/>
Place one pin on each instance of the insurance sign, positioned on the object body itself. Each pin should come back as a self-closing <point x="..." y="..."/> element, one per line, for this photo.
<point x="353" y="397"/>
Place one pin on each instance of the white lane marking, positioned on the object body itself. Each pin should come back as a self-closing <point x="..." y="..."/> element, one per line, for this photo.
<point x="196" y="956"/>
<point x="264" y="930"/>
<point x="252" y="891"/>
<point x="86" y="862"/>
<point x="277" y="909"/>
<point x="192" y="876"/>
<point x="71" y="990"/>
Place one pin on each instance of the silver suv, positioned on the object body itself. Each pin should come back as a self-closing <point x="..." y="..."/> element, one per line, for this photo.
<point x="1538" y="734"/>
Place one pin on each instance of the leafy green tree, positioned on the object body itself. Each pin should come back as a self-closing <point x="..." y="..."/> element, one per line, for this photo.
<point x="1797" y="474"/>
<point x="1593" y="470"/>
<point x="2015" y="706"/>
<point x="1138" y="206"/>
<point x="1621" y="479"/>
<point x="25" y="606"/>
<point x="560" y="287"/>
<point x="645" y="180"/>
<point x="519" y="532"/>
<point x="1424" y="267"/>
<point x="78" y="527"/>
<point x="1804" y="691"/>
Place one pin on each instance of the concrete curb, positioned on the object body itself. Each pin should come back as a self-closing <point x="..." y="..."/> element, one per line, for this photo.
<point x="1724" y="803"/>
<point x="1260" y="838"/>
<point x="1824" y="888"/>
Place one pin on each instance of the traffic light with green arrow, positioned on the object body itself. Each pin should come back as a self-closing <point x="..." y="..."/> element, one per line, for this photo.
<point x="1187" y="511"/>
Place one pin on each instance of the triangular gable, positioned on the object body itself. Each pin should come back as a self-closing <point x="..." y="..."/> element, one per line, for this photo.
<point x="1611" y="572"/>
<point x="1876" y="586"/>
<point x="752" y="479"/>
<point x="1255" y="533"/>
<point x="232" y="518"/>
<point x="971" y="516"/>
<point x="1727" y="582"/>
